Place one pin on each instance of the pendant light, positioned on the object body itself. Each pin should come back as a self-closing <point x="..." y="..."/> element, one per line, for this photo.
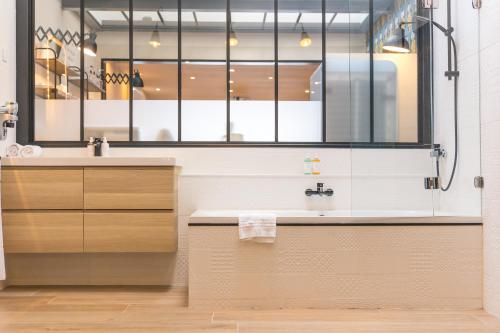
<point x="233" y="39"/>
<point x="305" y="39"/>
<point x="155" y="38"/>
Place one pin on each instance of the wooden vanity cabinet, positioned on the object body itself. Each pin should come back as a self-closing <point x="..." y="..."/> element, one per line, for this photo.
<point x="89" y="209"/>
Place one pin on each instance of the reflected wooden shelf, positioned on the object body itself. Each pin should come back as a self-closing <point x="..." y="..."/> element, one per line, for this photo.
<point x="59" y="68"/>
<point x="55" y="66"/>
<point x="90" y="87"/>
<point x="46" y="92"/>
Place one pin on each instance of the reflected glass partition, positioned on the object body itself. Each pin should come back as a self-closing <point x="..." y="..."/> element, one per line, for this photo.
<point x="317" y="72"/>
<point x="300" y="75"/>
<point x="56" y="69"/>
<point x="155" y="39"/>
<point x="204" y="71"/>
<point x="252" y="71"/>
<point x="107" y="53"/>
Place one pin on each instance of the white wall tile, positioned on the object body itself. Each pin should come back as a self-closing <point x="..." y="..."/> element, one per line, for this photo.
<point x="489" y="23"/>
<point x="490" y="82"/>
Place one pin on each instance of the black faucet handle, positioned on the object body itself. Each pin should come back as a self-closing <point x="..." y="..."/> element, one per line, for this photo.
<point x="320" y="185"/>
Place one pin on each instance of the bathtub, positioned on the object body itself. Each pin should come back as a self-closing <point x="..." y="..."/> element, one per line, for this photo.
<point x="326" y="217"/>
<point x="337" y="259"/>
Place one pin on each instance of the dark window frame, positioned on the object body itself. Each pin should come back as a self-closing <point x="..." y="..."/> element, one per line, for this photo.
<point x="25" y="88"/>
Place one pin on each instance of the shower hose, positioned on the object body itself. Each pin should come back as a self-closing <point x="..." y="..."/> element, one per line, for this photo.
<point x="455" y="105"/>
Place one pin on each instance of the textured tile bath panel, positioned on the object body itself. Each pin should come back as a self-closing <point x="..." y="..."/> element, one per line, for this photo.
<point x="338" y="267"/>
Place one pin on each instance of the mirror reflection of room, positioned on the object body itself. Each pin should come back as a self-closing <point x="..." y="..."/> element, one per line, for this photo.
<point x="307" y="76"/>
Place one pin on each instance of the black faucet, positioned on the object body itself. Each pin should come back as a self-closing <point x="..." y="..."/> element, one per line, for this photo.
<point x="319" y="191"/>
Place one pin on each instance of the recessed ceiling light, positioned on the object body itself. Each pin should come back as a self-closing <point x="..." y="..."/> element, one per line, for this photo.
<point x="157" y="89"/>
<point x="270" y="78"/>
<point x="192" y="77"/>
<point x="317" y="82"/>
<point x="231" y="81"/>
<point x="313" y="92"/>
<point x="230" y="90"/>
<point x="307" y="91"/>
<point x="232" y="70"/>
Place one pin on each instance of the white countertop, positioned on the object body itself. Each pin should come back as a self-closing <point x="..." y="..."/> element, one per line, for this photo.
<point x="88" y="161"/>
<point x="230" y="217"/>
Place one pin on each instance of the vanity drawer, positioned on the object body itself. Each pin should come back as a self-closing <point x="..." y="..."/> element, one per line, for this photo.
<point x="43" y="231"/>
<point x="42" y="188"/>
<point x="130" y="231"/>
<point x="130" y="188"/>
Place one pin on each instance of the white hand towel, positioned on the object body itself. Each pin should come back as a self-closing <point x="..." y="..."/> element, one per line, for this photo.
<point x="260" y="228"/>
<point x="31" y="151"/>
<point x="14" y="150"/>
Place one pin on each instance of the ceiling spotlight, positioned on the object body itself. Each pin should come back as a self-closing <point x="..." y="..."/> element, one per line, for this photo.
<point x="231" y="81"/>
<point x="232" y="70"/>
<point x="317" y="82"/>
<point x="192" y="77"/>
<point x="231" y="90"/>
<point x="307" y="91"/>
<point x="157" y="89"/>
<point x="155" y="38"/>
<point x="305" y="39"/>
<point x="270" y="78"/>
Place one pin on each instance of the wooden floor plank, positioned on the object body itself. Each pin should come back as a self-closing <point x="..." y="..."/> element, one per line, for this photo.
<point x="159" y="309"/>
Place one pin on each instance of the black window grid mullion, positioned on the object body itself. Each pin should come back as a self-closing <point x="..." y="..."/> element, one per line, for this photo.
<point x="323" y="69"/>
<point x="131" y="70"/>
<point x="276" y="73"/>
<point x="372" y="79"/>
<point x="82" y="71"/>
<point x="228" y="72"/>
<point x="179" y="71"/>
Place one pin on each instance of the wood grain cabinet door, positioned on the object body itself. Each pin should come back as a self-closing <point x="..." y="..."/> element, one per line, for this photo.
<point x="130" y="188"/>
<point x="130" y="231"/>
<point x="43" y="231"/>
<point x="42" y="188"/>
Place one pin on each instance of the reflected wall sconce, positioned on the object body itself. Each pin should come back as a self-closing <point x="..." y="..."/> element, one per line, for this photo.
<point x="137" y="80"/>
<point x="59" y="37"/>
<point x="120" y="78"/>
<point x="90" y="45"/>
<point x="233" y="39"/>
<point x="305" y="39"/>
<point x="397" y="42"/>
